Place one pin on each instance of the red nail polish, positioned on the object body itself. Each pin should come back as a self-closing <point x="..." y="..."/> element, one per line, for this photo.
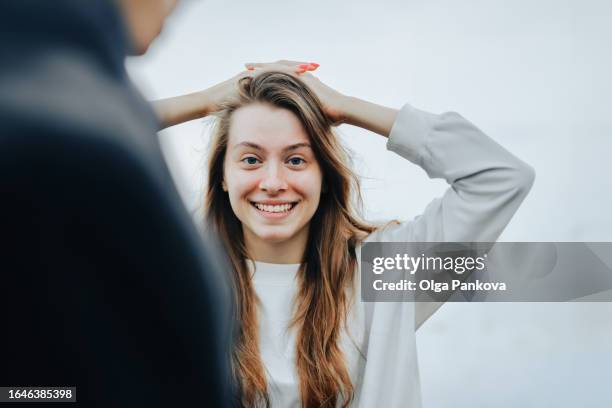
<point x="314" y="64"/>
<point x="303" y="66"/>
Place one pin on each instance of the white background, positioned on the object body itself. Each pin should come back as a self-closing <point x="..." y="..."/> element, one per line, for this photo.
<point x="534" y="75"/>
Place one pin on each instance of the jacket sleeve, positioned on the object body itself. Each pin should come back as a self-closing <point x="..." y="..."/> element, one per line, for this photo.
<point x="486" y="182"/>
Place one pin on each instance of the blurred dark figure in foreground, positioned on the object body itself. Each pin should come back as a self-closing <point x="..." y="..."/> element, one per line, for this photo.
<point x="105" y="283"/>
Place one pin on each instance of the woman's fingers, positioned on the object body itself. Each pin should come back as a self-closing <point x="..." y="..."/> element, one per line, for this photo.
<point x="268" y="66"/>
<point x="279" y="62"/>
<point x="228" y="90"/>
<point x="332" y="100"/>
<point x="306" y="66"/>
<point x="296" y="66"/>
<point x="288" y="69"/>
<point x="291" y="70"/>
<point x="311" y="66"/>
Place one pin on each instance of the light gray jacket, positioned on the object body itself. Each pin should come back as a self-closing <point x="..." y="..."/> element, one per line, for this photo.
<point x="487" y="185"/>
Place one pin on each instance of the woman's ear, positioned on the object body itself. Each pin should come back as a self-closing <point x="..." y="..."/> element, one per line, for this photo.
<point x="224" y="186"/>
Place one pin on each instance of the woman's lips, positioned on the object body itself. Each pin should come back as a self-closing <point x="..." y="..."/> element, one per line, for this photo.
<point x="274" y="211"/>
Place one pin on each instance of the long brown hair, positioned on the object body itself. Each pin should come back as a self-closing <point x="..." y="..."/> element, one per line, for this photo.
<point x="326" y="274"/>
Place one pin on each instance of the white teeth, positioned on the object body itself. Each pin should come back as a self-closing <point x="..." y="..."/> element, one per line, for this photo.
<point x="274" y="208"/>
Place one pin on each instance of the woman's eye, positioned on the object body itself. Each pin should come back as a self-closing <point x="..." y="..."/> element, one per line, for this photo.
<point x="296" y="161"/>
<point x="250" y="160"/>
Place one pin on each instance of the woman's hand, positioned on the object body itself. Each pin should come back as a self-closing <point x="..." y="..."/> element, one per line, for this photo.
<point x="338" y="107"/>
<point x="334" y="103"/>
<point x="227" y="90"/>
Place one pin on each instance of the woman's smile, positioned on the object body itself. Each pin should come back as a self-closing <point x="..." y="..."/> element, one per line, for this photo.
<point x="274" y="209"/>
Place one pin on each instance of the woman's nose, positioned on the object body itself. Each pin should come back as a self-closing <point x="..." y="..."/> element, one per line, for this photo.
<point x="273" y="180"/>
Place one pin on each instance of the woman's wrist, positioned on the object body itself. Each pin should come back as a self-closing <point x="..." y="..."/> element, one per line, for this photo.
<point x="367" y="115"/>
<point x="179" y="109"/>
<point x="203" y="105"/>
<point x="348" y="110"/>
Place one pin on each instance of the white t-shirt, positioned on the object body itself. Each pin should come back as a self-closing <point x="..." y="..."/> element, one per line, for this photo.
<point x="487" y="185"/>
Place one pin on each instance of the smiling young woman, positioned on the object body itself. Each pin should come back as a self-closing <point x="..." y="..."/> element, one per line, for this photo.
<point x="281" y="197"/>
<point x="273" y="180"/>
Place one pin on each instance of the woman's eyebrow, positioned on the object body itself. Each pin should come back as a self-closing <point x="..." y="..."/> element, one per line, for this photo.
<point x="258" y="147"/>
<point x="296" y="146"/>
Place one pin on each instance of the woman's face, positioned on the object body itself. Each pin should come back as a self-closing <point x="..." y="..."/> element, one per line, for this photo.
<point x="270" y="173"/>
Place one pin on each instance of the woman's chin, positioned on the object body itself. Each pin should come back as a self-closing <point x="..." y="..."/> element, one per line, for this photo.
<point x="274" y="237"/>
<point x="276" y="234"/>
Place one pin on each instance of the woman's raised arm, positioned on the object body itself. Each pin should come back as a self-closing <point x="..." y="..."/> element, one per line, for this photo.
<point x="487" y="183"/>
<point x="175" y="110"/>
<point x="179" y="109"/>
<point x="375" y="118"/>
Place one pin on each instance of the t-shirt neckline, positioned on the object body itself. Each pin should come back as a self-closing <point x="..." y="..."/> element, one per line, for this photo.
<point x="272" y="273"/>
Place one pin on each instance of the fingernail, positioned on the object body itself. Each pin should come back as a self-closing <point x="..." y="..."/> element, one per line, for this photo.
<point x="314" y="64"/>
<point x="304" y="66"/>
